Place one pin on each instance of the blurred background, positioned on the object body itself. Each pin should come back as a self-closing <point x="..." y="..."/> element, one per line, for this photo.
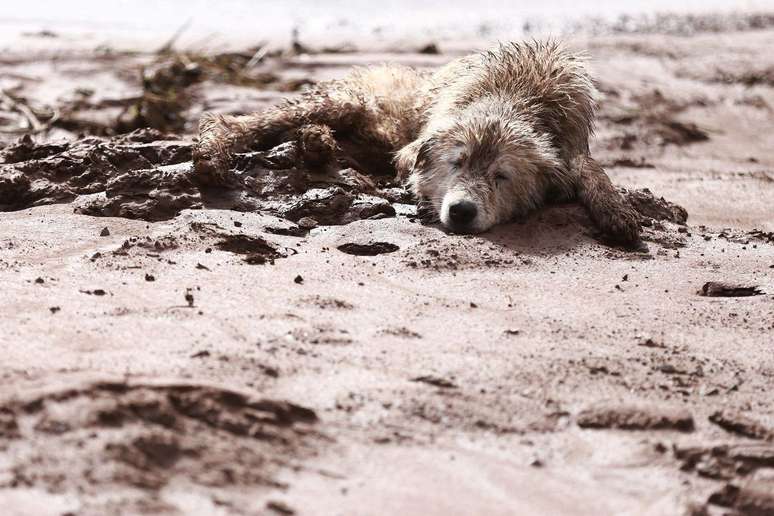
<point x="339" y="22"/>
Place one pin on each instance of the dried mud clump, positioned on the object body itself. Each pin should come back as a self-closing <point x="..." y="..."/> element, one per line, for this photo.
<point x="256" y="250"/>
<point x="368" y="249"/>
<point x="753" y="498"/>
<point x="35" y="174"/>
<point x="656" y="208"/>
<point x="720" y="289"/>
<point x="435" y="381"/>
<point x="740" y="424"/>
<point x="748" y="77"/>
<point x="651" y="120"/>
<point x="725" y="461"/>
<point x="148" y="175"/>
<point x="636" y="417"/>
<point x="746" y="72"/>
<point x="138" y="437"/>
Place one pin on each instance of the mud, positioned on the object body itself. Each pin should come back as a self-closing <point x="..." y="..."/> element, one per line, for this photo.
<point x="655" y="208"/>
<point x="636" y="418"/>
<point x="718" y="289"/>
<point x="118" y="170"/>
<point x="148" y="175"/>
<point x="256" y="250"/>
<point x="131" y="437"/>
<point x="751" y="499"/>
<point x="725" y="461"/>
<point x="369" y="249"/>
<point x="652" y="119"/>
<point x="246" y="365"/>
<point x="742" y="425"/>
<point x="435" y="382"/>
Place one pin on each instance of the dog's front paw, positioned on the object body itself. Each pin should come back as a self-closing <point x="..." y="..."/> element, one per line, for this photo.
<point x="210" y="168"/>
<point x="211" y="159"/>
<point x="619" y="222"/>
<point x="317" y="144"/>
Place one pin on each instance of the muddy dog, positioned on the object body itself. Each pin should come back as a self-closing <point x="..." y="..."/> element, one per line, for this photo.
<point x="485" y="139"/>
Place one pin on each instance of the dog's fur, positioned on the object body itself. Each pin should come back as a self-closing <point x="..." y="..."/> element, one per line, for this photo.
<point x="504" y="130"/>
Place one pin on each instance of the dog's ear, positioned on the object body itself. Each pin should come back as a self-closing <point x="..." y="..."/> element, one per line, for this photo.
<point x="414" y="156"/>
<point x="425" y="152"/>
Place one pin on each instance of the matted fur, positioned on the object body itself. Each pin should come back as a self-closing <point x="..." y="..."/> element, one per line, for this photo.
<point x="504" y="129"/>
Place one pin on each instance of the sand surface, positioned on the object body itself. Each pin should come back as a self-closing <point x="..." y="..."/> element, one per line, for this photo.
<point x="168" y="350"/>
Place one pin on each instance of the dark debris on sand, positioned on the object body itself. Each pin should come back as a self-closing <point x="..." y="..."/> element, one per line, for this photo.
<point x="723" y="289"/>
<point x="635" y="417"/>
<point x="368" y="249"/>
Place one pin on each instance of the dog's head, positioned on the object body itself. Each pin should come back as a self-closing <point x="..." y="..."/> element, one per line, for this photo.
<point x="487" y="166"/>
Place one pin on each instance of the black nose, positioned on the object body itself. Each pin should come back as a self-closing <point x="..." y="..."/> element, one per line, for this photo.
<point x="462" y="213"/>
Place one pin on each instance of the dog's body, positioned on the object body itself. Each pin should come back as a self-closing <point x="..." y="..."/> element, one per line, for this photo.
<point x="487" y="138"/>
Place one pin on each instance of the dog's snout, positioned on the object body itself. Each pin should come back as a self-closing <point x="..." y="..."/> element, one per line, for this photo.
<point x="462" y="213"/>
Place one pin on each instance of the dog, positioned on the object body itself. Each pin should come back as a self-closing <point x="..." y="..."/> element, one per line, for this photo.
<point x="485" y="139"/>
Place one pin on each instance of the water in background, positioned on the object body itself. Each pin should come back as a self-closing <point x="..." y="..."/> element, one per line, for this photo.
<point x="337" y="21"/>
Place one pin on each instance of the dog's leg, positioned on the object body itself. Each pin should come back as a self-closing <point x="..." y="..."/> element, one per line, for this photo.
<point x="222" y="135"/>
<point x="607" y="208"/>
<point x="219" y="136"/>
<point x="316" y="144"/>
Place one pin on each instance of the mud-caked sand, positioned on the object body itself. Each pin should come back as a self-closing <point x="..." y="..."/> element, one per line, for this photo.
<point x="306" y="341"/>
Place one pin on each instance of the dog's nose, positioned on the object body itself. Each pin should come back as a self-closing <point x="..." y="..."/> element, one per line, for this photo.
<point x="462" y="213"/>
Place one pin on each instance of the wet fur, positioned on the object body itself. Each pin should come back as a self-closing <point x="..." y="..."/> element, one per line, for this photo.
<point x="505" y="129"/>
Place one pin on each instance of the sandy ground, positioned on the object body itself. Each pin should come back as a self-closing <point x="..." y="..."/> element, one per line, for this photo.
<point x="159" y="367"/>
